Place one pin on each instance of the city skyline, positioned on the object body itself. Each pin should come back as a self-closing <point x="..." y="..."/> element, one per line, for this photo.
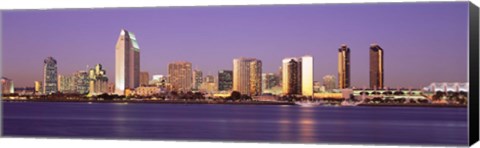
<point x="446" y="65"/>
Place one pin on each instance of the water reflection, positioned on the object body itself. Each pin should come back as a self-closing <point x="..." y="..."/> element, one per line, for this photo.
<point x="306" y="125"/>
<point x="120" y="120"/>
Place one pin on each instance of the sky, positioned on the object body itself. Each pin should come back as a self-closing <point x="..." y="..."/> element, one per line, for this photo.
<point x="422" y="42"/>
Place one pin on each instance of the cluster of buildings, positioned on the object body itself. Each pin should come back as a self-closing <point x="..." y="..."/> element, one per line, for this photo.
<point x="94" y="81"/>
<point x="295" y="76"/>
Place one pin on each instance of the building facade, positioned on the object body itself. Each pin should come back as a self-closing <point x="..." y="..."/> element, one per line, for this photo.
<point x="197" y="79"/>
<point x="50" y="83"/>
<point x="225" y="80"/>
<point x="82" y="82"/>
<point x="127" y="62"/>
<point x="144" y="78"/>
<point x="67" y="84"/>
<point x="376" y="67"/>
<point x="343" y="67"/>
<point x="180" y="76"/>
<point x="297" y="76"/>
<point x="247" y="76"/>
<point x="269" y="80"/>
<point x="98" y="80"/>
<point x="38" y="87"/>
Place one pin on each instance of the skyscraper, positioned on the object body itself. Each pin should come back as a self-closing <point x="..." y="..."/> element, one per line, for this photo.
<point x="292" y="76"/>
<point x="255" y="78"/>
<point x="343" y="67"/>
<point x="247" y="76"/>
<point x="209" y="85"/>
<point x="67" y="84"/>
<point x="297" y="75"/>
<point x="180" y="76"/>
<point x="329" y="82"/>
<point x="127" y="62"/>
<point x="376" y="67"/>
<point x="50" y="76"/>
<point x="197" y="79"/>
<point x="82" y="82"/>
<point x="269" y="80"/>
<point x="144" y="78"/>
<point x="38" y="87"/>
<point x="225" y="80"/>
<point x="98" y="80"/>
<point x="307" y="75"/>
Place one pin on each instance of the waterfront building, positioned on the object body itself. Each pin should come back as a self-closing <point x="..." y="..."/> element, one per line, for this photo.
<point x="447" y="87"/>
<point x="127" y="62"/>
<point x="247" y="73"/>
<point x="144" y="78"/>
<point x="343" y="67"/>
<point x="98" y="80"/>
<point x="376" y="67"/>
<point x="209" y="84"/>
<point x="147" y="90"/>
<point x="329" y="82"/>
<point x="82" y="82"/>
<point x="50" y="76"/>
<point x="197" y="79"/>
<point x="297" y="76"/>
<point x="180" y="76"/>
<point x="7" y="86"/>
<point x="67" y="84"/>
<point x="38" y="87"/>
<point x="269" y="80"/>
<point x="225" y="80"/>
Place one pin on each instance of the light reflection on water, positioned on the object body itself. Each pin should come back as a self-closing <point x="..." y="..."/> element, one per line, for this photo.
<point x="237" y="122"/>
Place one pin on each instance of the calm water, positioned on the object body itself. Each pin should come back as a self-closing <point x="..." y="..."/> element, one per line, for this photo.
<point x="255" y="123"/>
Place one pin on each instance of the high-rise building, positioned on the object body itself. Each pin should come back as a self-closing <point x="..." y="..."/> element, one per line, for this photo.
<point x="376" y="67"/>
<point x="297" y="76"/>
<point x="247" y="76"/>
<point x="180" y="76"/>
<point x="280" y="76"/>
<point x="307" y="76"/>
<point x="98" y="80"/>
<point x="67" y="84"/>
<point x="292" y="76"/>
<point x="144" y="78"/>
<point x="7" y="86"/>
<point x="127" y="62"/>
<point x="38" y="87"/>
<point x="255" y="78"/>
<point x="269" y="80"/>
<point x="209" y="84"/>
<point x="197" y="79"/>
<point x="50" y="83"/>
<point x="225" y="80"/>
<point x="329" y="82"/>
<point x="343" y="67"/>
<point x="82" y="82"/>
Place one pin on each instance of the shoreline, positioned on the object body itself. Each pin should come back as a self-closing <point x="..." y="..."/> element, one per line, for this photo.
<point x="231" y="103"/>
<point x="159" y="102"/>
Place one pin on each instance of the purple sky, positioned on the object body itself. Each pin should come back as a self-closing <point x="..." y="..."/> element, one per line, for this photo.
<point x="423" y="42"/>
